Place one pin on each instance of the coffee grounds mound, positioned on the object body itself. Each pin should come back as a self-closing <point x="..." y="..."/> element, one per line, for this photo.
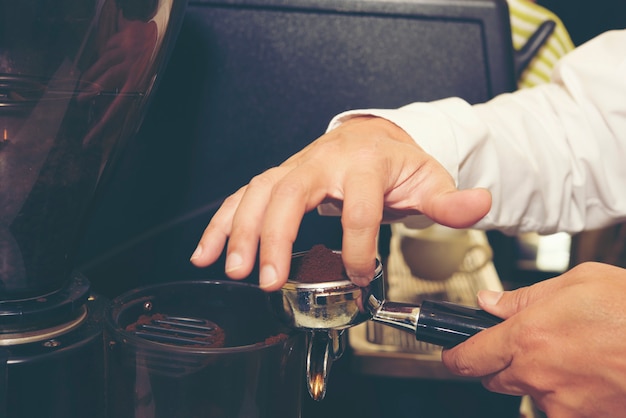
<point x="273" y="339"/>
<point x="320" y="264"/>
<point x="214" y="339"/>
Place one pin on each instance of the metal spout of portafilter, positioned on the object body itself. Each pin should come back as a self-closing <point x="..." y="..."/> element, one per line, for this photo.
<point x="323" y="348"/>
<point x="326" y="309"/>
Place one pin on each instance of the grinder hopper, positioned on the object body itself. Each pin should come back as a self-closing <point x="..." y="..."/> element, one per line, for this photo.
<point x="65" y="114"/>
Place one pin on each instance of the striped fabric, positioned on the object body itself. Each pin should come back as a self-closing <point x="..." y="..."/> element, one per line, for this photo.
<point x="526" y="17"/>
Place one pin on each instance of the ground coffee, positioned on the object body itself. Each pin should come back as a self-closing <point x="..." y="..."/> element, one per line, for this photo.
<point x="320" y="264"/>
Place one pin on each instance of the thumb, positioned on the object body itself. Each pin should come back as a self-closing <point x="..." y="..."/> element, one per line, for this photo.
<point x="459" y="208"/>
<point x="505" y="304"/>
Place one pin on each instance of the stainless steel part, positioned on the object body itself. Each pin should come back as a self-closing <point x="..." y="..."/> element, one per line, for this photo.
<point x="326" y="309"/>
<point x="341" y="304"/>
<point x="323" y="347"/>
<point x="180" y="330"/>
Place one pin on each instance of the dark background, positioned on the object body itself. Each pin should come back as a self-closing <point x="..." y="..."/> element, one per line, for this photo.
<point x="585" y="19"/>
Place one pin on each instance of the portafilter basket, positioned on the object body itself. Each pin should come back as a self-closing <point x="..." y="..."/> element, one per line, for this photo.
<point x="326" y="309"/>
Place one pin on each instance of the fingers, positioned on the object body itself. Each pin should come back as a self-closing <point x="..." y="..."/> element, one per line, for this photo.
<point x="430" y="190"/>
<point x="459" y="208"/>
<point x="503" y="354"/>
<point x="360" y="219"/>
<point x="254" y="216"/>
<point x="492" y="350"/>
<point x="506" y="382"/>
<point x="503" y="304"/>
<point x="290" y="199"/>
<point x="507" y="304"/>
<point x="441" y="201"/>
<point x="96" y="78"/>
<point x="214" y="238"/>
<point x="268" y="212"/>
<point x="241" y="220"/>
<point x="362" y="167"/>
<point x="484" y="354"/>
<point x="306" y="187"/>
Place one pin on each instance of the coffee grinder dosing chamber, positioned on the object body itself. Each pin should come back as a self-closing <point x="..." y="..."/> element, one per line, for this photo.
<point x="200" y="349"/>
<point x="63" y="116"/>
<point x="326" y="309"/>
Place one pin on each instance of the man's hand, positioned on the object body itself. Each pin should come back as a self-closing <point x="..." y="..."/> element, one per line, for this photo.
<point x="562" y="343"/>
<point x="370" y="166"/>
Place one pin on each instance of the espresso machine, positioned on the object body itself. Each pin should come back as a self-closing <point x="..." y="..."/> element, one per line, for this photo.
<point x="75" y="80"/>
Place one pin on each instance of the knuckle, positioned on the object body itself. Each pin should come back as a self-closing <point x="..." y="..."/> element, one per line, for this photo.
<point x="261" y="181"/>
<point x="287" y="189"/>
<point x="526" y="338"/>
<point x="361" y="214"/>
<point x="231" y="202"/>
<point x="458" y="364"/>
<point x="520" y="298"/>
<point x="490" y="383"/>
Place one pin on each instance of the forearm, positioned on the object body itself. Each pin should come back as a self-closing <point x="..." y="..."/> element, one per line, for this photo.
<point x="553" y="156"/>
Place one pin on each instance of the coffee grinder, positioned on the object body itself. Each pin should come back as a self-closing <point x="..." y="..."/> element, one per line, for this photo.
<point x="65" y="111"/>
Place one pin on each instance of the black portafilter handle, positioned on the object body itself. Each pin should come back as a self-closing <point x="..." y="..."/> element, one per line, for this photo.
<point x="448" y="324"/>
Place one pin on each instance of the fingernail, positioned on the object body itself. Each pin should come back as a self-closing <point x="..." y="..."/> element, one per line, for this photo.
<point x="197" y="253"/>
<point x="267" y="276"/>
<point x="361" y="281"/>
<point x="489" y="297"/>
<point x="233" y="262"/>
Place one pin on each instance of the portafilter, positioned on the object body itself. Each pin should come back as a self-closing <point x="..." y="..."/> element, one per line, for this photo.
<point x="325" y="309"/>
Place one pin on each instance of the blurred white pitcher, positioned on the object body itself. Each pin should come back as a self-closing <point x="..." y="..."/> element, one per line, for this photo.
<point x="438" y="252"/>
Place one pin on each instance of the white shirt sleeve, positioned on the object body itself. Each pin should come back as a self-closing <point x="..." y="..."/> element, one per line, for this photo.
<point x="553" y="156"/>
